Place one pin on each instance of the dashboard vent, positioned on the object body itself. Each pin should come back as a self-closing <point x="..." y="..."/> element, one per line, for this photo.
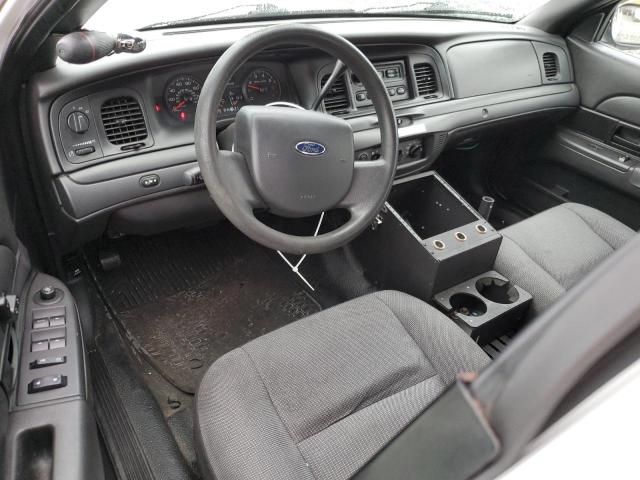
<point x="123" y="121"/>
<point x="550" y="63"/>
<point x="337" y="100"/>
<point x="426" y="79"/>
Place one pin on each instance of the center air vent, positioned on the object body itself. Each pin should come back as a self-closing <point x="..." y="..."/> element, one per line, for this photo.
<point x="123" y="121"/>
<point x="426" y="79"/>
<point x="336" y="102"/>
<point x="550" y="63"/>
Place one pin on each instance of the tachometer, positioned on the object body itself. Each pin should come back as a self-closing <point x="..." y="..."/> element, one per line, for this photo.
<point x="261" y="87"/>
<point x="182" y="95"/>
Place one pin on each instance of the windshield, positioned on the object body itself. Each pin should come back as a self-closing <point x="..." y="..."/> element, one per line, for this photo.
<point x="126" y="15"/>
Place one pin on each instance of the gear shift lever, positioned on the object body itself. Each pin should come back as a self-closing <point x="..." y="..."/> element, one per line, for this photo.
<point x="486" y="207"/>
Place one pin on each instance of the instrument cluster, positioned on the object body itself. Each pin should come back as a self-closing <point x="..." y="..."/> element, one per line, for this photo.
<point x="259" y="86"/>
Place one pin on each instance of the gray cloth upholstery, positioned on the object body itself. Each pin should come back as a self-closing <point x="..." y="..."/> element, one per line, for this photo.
<point x="550" y="252"/>
<point x="320" y="397"/>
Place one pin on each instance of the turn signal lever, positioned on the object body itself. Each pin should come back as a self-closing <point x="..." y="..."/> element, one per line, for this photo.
<point x="338" y="69"/>
<point x="88" y="46"/>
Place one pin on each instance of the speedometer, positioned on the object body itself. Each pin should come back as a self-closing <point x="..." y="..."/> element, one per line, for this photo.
<point x="182" y="95"/>
<point x="261" y="87"/>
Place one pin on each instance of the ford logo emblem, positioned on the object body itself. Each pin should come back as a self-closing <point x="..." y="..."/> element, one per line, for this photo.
<point x="310" y="148"/>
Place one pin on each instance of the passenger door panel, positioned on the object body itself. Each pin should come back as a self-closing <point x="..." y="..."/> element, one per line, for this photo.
<point x="594" y="155"/>
<point x="603" y="72"/>
<point x="626" y="108"/>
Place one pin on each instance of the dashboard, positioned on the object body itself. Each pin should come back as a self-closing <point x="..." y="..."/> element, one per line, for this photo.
<point x="113" y="140"/>
<point x="109" y="122"/>
<point x="155" y="109"/>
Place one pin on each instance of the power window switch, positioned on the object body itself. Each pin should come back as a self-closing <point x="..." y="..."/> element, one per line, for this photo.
<point x="41" y="346"/>
<point x="57" y="321"/>
<point x="50" y="382"/>
<point x="40" y="323"/>
<point x="48" y="362"/>
<point x="57" y="343"/>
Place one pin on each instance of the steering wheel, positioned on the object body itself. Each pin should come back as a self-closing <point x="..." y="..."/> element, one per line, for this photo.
<point x="294" y="162"/>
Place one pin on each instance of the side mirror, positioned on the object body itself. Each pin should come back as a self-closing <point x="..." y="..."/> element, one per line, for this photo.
<point x="625" y="25"/>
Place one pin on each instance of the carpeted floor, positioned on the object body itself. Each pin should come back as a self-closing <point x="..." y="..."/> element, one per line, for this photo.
<point x="186" y="298"/>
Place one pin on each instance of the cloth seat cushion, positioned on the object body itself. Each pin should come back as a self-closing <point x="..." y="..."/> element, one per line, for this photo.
<point x="321" y="396"/>
<point x="550" y="252"/>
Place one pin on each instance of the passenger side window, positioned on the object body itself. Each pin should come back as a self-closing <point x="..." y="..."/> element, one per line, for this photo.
<point x="623" y="29"/>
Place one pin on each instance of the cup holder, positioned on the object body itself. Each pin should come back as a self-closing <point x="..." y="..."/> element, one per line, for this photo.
<point x="486" y="306"/>
<point x="497" y="290"/>
<point x="467" y="304"/>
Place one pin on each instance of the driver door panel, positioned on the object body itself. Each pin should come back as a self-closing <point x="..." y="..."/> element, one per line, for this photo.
<point x="47" y="430"/>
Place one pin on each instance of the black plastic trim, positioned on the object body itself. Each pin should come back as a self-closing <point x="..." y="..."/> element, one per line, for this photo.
<point x="450" y="440"/>
<point x="73" y="455"/>
<point x="73" y="368"/>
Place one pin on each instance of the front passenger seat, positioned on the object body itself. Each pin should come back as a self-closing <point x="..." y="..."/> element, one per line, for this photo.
<point x="550" y="252"/>
<point x="318" y="398"/>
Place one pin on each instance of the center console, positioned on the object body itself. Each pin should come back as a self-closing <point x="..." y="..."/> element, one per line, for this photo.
<point x="429" y="242"/>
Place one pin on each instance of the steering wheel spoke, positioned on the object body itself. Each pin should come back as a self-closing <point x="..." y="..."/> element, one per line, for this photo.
<point x="232" y="166"/>
<point x="367" y="176"/>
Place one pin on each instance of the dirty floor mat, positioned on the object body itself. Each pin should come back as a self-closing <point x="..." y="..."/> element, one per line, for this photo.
<point x="186" y="298"/>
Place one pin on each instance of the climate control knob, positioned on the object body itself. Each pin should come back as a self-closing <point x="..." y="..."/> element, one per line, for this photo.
<point x="416" y="151"/>
<point x="78" y="122"/>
